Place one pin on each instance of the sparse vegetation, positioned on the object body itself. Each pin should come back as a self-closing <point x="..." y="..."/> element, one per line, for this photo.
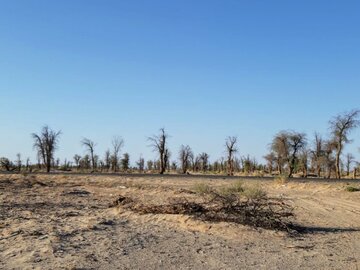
<point x="352" y="189"/>
<point x="202" y="188"/>
<point x="281" y="179"/>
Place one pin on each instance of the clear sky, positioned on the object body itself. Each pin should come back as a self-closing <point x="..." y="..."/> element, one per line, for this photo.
<point x="203" y="69"/>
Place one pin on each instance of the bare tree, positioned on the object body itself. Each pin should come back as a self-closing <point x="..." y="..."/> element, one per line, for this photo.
<point x="318" y="153"/>
<point x="204" y="161"/>
<point x="90" y="147"/>
<point x="350" y="159"/>
<point x="341" y="126"/>
<point x="77" y="159"/>
<point x="150" y="165"/>
<point x="329" y="147"/>
<point x="231" y="149"/>
<point x="107" y="159"/>
<point x="304" y="162"/>
<point x="280" y="148"/>
<point x="28" y="164"/>
<point x="287" y="145"/>
<point x="185" y="157"/>
<point x="141" y="164"/>
<point x="158" y="143"/>
<point x="46" y="143"/>
<point x="117" y="144"/>
<point x="271" y="161"/>
<point x="18" y="162"/>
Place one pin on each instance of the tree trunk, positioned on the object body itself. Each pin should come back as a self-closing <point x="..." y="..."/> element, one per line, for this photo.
<point x="337" y="161"/>
<point x="318" y="169"/>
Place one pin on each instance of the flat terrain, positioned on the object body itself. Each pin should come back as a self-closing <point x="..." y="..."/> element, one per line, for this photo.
<point x="70" y="222"/>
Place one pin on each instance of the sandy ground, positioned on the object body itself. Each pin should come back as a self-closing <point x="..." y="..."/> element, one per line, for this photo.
<point x="65" y="222"/>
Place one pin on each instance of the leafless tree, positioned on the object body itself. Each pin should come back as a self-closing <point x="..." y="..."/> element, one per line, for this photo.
<point x="90" y="147"/>
<point x="318" y="153"/>
<point x="46" y="143"/>
<point x="185" y="157"/>
<point x="28" y="164"/>
<point x="280" y="148"/>
<point x="329" y="148"/>
<point x="150" y="165"/>
<point x="77" y="159"/>
<point x="204" y="161"/>
<point x="341" y="126"/>
<point x="107" y="159"/>
<point x="159" y="144"/>
<point x="304" y="162"/>
<point x="117" y="144"/>
<point x="85" y="162"/>
<point x="18" y="162"/>
<point x="349" y="159"/>
<point x="287" y="145"/>
<point x="141" y="164"/>
<point x="231" y="149"/>
<point x="271" y="161"/>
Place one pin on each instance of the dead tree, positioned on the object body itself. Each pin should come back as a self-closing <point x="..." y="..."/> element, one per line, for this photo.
<point x="90" y="147"/>
<point x="185" y="157"/>
<point x="107" y="160"/>
<point x="141" y="164"/>
<point x="77" y="159"/>
<point x="231" y="149"/>
<point x="158" y="143"/>
<point x="287" y="145"/>
<point x="329" y="159"/>
<point x="46" y="143"/>
<point x="341" y="126"/>
<point x="204" y="161"/>
<point x="117" y="144"/>
<point x="280" y="148"/>
<point x="271" y="161"/>
<point x="350" y="159"/>
<point x="18" y="162"/>
<point x="318" y="153"/>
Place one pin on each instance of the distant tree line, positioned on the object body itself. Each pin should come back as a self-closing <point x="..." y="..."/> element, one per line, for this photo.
<point x="290" y="153"/>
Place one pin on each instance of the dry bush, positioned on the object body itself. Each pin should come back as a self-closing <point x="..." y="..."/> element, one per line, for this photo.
<point x="202" y="188"/>
<point x="236" y="187"/>
<point x="281" y="179"/>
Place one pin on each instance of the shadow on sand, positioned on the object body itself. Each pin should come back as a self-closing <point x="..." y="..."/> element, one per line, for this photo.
<point x="322" y="230"/>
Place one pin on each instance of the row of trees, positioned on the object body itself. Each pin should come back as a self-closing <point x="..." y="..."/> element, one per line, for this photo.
<point x="290" y="153"/>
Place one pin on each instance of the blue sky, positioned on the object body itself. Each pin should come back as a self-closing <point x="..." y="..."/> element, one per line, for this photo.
<point x="204" y="70"/>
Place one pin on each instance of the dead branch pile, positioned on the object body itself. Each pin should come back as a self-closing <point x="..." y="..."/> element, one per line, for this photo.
<point x="257" y="210"/>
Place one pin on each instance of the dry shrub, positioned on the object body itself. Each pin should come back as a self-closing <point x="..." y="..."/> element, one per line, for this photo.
<point x="281" y="179"/>
<point x="236" y="187"/>
<point x="202" y="188"/>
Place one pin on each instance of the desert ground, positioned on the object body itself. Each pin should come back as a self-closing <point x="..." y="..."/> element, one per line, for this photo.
<point x="71" y="222"/>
